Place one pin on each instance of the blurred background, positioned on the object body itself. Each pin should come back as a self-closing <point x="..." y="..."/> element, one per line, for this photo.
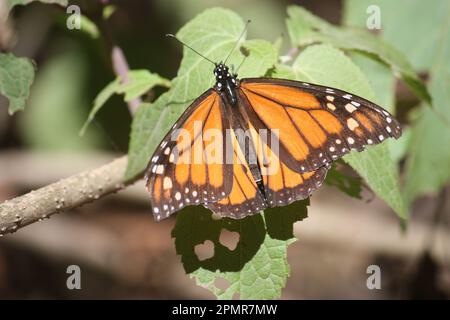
<point x="122" y="252"/>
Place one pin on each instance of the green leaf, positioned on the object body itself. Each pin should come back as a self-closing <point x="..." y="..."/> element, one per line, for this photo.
<point x="99" y="101"/>
<point x="195" y="225"/>
<point x="428" y="165"/>
<point x="280" y="220"/>
<point x="213" y="33"/>
<point x="257" y="268"/>
<point x="261" y="278"/>
<point x="148" y="128"/>
<point x="380" y="79"/>
<point x="430" y="19"/>
<point x="140" y="81"/>
<point x="325" y="65"/>
<point x="345" y="183"/>
<point x="12" y="3"/>
<point x="89" y="27"/>
<point x="16" y="77"/>
<point x="305" y="29"/>
<point x="108" y="11"/>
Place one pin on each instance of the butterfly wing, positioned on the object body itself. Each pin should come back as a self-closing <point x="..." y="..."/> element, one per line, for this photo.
<point x="187" y="167"/>
<point x="316" y="124"/>
<point x="283" y="185"/>
<point x="245" y="198"/>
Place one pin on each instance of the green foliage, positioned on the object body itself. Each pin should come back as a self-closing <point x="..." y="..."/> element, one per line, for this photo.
<point x="89" y="27"/>
<point x="412" y="26"/>
<point x="140" y="82"/>
<point x="306" y="29"/>
<point x="350" y="59"/>
<point x="428" y="162"/>
<point x="16" y="77"/>
<point x="428" y="165"/>
<point x="17" y="74"/>
<point x="257" y="268"/>
<point x="195" y="225"/>
<point x="349" y="185"/>
<point x="261" y="278"/>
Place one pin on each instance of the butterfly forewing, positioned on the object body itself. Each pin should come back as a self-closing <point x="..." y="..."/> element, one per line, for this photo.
<point x="316" y="124"/>
<point x="187" y="167"/>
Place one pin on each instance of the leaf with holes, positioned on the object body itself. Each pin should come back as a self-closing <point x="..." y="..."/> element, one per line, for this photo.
<point x="195" y="225"/>
<point x="257" y="268"/>
<point x="213" y="33"/>
<point x="16" y="77"/>
<point x="280" y="221"/>
<point x="261" y="278"/>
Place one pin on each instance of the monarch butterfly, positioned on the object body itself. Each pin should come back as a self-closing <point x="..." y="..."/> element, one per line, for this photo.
<point x="274" y="142"/>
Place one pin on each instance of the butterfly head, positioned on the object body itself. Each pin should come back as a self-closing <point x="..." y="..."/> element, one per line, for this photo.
<point x="223" y="77"/>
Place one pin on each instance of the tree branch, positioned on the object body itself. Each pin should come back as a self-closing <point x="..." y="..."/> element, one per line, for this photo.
<point x="65" y="194"/>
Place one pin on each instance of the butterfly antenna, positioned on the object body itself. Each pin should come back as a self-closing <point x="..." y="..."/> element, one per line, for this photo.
<point x="187" y="46"/>
<point x="239" y="39"/>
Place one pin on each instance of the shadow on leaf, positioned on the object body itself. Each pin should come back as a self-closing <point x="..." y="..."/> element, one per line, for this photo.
<point x="280" y="221"/>
<point x="196" y="225"/>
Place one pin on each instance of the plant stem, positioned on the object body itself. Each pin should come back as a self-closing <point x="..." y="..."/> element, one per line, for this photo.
<point x="65" y="194"/>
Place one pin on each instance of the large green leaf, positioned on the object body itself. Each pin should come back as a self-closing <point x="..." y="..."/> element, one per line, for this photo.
<point x="195" y="225"/>
<point x="257" y="268"/>
<point x="140" y="82"/>
<point x="430" y="19"/>
<point x="261" y="278"/>
<point x="325" y="65"/>
<point x="213" y="33"/>
<point x="305" y="29"/>
<point x="16" y="77"/>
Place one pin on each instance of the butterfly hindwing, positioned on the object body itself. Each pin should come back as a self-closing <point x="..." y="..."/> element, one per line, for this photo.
<point x="245" y="198"/>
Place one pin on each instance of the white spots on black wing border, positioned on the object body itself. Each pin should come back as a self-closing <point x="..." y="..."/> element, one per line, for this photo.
<point x="238" y="211"/>
<point x="300" y="192"/>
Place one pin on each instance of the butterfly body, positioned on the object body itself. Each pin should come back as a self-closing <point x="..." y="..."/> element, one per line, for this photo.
<point x="226" y="83"/>
<point x="274" y="142"/>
